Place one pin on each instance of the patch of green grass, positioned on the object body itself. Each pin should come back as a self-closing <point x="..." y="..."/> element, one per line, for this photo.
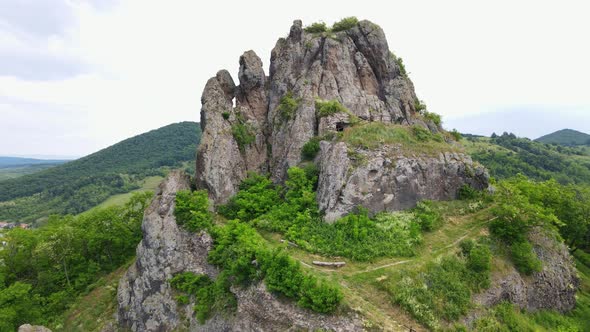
<point x="327" y="108"/>
<point x="374" y="135"/>
<point x="148" y="184"/>
<point x="91" y="312"/>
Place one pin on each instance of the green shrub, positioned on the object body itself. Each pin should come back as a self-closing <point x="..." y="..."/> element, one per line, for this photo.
<point x="466" y="246"/>
<point x="524" y="258"/>
<point x="311" y="148"/>
<point x="433" y="117"/>
<point x="441" y="292"/>
<point x="456" y="135"/>
<point x="419" y="106"/>
<point x="288" y="106"/>
<point x="242" y="254"/>
<point x="242" y="133"/>
<point x="467" y="192"/>
<point x="283" y="275"/>
<point x="421" y="133"/>
<point x="327" y="108"/>
<point x="319" y="296"/>
<point x="225" y="115"/>
<point x="428" y="218"/>
<point x="479" y="263"/>
<point x="256" y="197"/>
<point x="210" y="296"/>
<point x="400" y="65"/>
<point x="192" y="210"/>
<point x="317" y="27"/>
<point x="345" y="24"/>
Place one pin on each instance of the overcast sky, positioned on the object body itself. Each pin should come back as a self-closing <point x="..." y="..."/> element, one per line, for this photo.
<point x="77" y="76"/>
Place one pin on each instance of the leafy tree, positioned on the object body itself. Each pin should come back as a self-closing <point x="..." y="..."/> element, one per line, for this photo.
<point x="192" y="210"/>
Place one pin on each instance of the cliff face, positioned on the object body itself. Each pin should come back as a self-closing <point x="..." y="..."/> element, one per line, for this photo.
<point x="554" y="287"/>
<point x="147" y="301"/>
<point x="354" y="67"/>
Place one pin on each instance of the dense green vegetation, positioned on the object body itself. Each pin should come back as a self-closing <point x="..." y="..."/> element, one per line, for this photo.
<point x="506" y="155"/>
<point x="450" y="285"/>
<point x="78" y="185"/>
<point x="245" y="257"/>
<point x="311" y="148"/>
<point x="292" y="211"/>
<point x="242" y="132"/>
<point x="44" y="270"/>
<point x="287" y="106"/>
<point x="567" y="137"/>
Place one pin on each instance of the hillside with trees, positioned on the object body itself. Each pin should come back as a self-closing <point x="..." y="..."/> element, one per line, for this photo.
<point x="78" y="185"/>
<point x="507" y="155"/>
<point x="567" y="137"/>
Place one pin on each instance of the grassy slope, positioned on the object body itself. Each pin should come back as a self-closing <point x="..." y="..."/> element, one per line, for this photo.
<point x="93" y="311"/>
<point x="365" y="284"/>
<point x="148" y="184"/>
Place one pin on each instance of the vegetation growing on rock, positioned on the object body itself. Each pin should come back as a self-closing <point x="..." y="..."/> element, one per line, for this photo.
<point x="287" y="106"/>
<point x="245" y="258"/>
<point x="242" y="132"/>
<point x="327" y="108"/>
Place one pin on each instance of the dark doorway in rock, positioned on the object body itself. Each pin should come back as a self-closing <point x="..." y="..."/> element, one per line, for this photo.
<point x="340" y="126"/>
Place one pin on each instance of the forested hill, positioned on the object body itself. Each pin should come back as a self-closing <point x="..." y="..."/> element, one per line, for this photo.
<point x="568" y="137"/>
<point x="81" y="184"/>
<point x="507" y="155"/>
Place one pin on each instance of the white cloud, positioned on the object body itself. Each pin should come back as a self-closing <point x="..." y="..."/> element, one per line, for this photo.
<point x="146" y="62"/>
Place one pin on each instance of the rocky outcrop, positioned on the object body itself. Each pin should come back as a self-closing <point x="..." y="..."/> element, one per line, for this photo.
<point x="386" y="180"/>
<point x="144" y="295"/>
<point x="354" y="67"/>
<point x="147" y="302"/>
<point x="554" y="287"/>
<point x="33" y="328"/>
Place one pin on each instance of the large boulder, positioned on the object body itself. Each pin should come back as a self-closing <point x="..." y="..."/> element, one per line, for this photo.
<point x="385" y="180"/>
<point x="554" y="287"/>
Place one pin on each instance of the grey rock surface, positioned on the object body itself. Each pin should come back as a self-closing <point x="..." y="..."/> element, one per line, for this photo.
<point x="386" y="180"/>
<point x="33" y="328"/>
<point x="354" y="67"/>
<point x="146" y="300"/>
<point x="554" y="287"/>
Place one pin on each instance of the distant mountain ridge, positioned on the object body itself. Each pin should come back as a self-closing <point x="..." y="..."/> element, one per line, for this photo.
<point x="81" y="184"/>
<point x="567" y="137"/>
<point x="6" y="162"/>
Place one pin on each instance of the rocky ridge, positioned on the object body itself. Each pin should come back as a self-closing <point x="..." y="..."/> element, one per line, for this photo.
<point x="147" y="301"/>
<point x="354" y="67"/>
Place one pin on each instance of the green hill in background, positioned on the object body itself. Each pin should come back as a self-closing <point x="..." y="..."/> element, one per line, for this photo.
<point x="507" y="155"/>
<point x="567" y="137"/>
<point x="81" y="184"/>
